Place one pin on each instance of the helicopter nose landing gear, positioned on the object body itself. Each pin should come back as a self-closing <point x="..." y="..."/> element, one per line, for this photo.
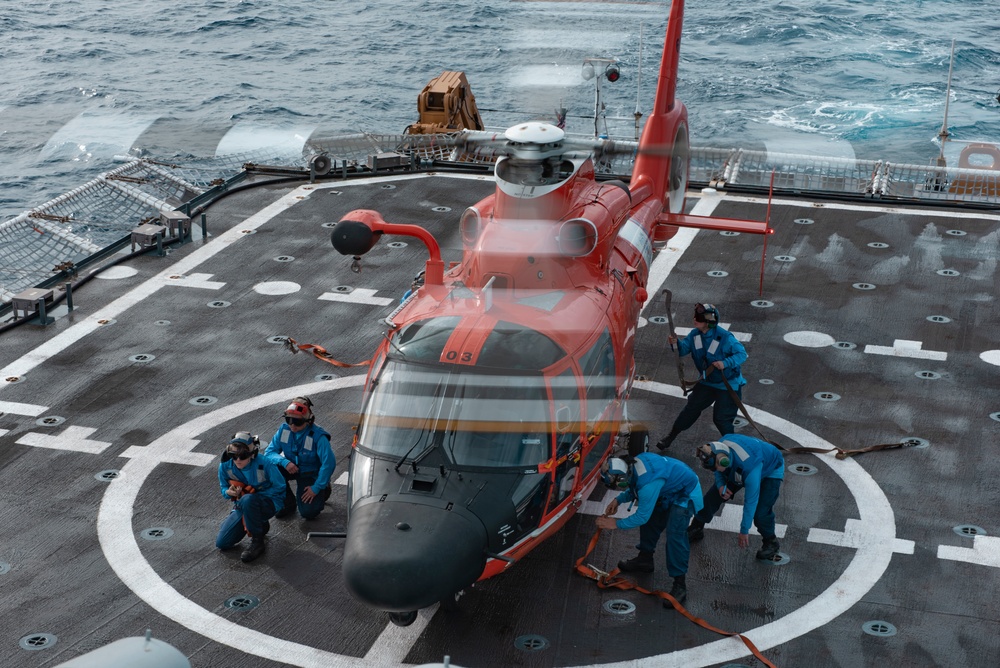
<point x="403" y="618"/>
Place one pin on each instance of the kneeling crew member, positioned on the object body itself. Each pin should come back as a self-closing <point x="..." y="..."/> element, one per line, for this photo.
<point x="256" y="488"/>
<point x="302" y="450"/>
<point x="743" y="461"/>
<point x="669" y="493"/>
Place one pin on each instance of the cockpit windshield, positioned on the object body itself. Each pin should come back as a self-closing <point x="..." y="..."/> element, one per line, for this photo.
<point x="477" y="419"/>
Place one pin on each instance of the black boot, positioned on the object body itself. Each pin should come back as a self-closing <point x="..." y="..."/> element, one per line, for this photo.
<point x="678" y="591"/>
<point x="267" y="527"/>
<point x="667" y="440"/>
<point x="696" y="531"/>
<point x="641" y="563"/>
<point x="769" y="550"/>
<point x="254" y="549"/>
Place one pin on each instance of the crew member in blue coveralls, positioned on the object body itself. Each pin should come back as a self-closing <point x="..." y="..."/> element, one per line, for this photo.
<point x="255" y="486"/>
<point x="302" y="451"/>
<point x="669" y="493"/>
<point x="716" y="354"/>
<point x="739" y="462"/>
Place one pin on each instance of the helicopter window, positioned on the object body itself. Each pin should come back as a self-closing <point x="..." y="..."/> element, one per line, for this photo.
<point x="425" y="339"/>
<point x="512" y="346"/>
<point x="598" y="365"/>
<point x="476" y="420"/>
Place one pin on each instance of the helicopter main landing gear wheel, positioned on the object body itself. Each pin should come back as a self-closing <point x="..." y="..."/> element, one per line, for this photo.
<point x="638" y="443"/>
<point x="403" y="618"/>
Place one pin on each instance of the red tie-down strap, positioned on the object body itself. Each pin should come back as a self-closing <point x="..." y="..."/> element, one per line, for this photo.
<point x="320" y="353"/>
<point x="613" y="580"/>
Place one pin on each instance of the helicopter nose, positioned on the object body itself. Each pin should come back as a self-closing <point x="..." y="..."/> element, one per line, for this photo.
<point x="402" y="556"/>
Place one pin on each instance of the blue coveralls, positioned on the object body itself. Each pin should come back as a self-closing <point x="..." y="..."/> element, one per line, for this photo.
<point x="310" y="450"/>
<point x="759" y="468"/>
<point x="668" y="492"/>
<point x="250" y="511"/>
<point x="717" y="344"/>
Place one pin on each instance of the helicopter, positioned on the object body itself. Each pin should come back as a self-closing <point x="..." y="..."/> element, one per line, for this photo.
<point x="502" y="383"/>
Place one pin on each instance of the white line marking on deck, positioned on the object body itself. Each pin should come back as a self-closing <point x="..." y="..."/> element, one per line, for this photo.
<point x="990" y="357"/>
<point x="904" y="348"/>
<point x="277" y="288"/>
<point x="985" y="551"/>
<point x="357" y="296"/>
<point x="395" y="642"/>
<point x="71" y="438"/>
<point x="195" y="281"/>
<point x="852" y="536"/>
<point x="31" y="410"/>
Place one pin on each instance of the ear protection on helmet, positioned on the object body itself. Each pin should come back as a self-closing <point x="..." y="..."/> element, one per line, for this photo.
<point x="300" y="407"/>
<point x="710" y="458"/>
<point x="706" y="313"/>
<point x="244" y="442"/>
<point x="614" y="474"/>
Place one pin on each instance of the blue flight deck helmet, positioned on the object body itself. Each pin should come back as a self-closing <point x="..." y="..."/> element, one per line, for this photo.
<point x="615" y="473"/>
<point x="712" y="454"/>
<point x="245" y="443"/>
<point x="706" y="313"/>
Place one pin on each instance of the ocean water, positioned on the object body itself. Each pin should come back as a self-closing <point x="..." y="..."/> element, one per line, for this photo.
<point x="87" y="80"/>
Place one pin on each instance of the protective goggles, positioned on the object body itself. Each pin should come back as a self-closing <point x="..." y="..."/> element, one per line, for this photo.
<point x="239" y="455"/>
<point x="295" y="421"/>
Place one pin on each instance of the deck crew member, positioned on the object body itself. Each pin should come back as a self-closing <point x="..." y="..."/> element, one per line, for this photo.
<point x="718" y="357"/>
<point x="255" y="486"/>
<point x="740" y="462"/>
<point x="668" y="493"/>
<point x="302" y="451"/>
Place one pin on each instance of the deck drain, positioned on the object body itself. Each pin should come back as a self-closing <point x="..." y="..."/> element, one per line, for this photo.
<point x="142" y="357"/>
<point x="739" y="422"/>
<point x="13" y="380"/>
<point x="619" y="606"/>
<point x="35" y="641"/>
<point x="50" y="421"/>
<point x="995" y="416"/>
<point x="157" y="533"/>
<point x="863" y="286"/>
<point x="343" y="289"/>
<point x="766" y="381"/>
<point x="388" y="186"/>
<point x="785" y="258"/>
<point x="277" y="339"/>
<point x="248" y="231"/>
<point x="218" y="304"/>
<point x="729" y="233"/>
<point x="938" y="318"/>
<point x="878" y="244"/>
<point x="928" y="375"/>
<point x="956" y="233"/>
<point x="329" y="225"/>
<point x="202" y="401"/>
<point x="325" y="376"/>
<point x="803" y="469"/>
<point x="658" y="320"/>
<point x="397" y="244"/>
<point x="803" y="221"/>
<point x="531" y="643"/>
<point x="947" y="272"/>
<point x="969" y="530"/>
<point x="718" y="273"/>
<point x="441" y="209"/>
<point x="845" y="345"/>
<point x="761" y="303"/>
<point x="4" y="568"/>
<point x="914" y="442"/>
<point x="878" y="628"/>
<point x="826" y="396"/>
<point x="779" y="559"/>
<point x="107" y="475"/>
<point x="243" y="602"/>
<point x="162" y="323"/>
<point x="284" y="258"/>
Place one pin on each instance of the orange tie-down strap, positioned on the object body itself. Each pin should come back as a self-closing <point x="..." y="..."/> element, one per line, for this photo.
<point x="613" y="580"/>
<point x="320" y="353"/>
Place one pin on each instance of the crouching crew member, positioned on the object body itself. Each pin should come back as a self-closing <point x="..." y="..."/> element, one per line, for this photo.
<point x="302" y="451"/>
<point x="668" y="493"/>
<point x="255" y="486"/>
<point x="742" y="462"/>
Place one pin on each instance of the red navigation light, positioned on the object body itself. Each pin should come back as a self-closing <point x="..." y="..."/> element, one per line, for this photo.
<point x="612" y="73"/>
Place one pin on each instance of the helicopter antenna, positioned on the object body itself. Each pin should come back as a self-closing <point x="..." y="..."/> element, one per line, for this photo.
<point x="638" y="86"/>
<point x="947" y="98"/>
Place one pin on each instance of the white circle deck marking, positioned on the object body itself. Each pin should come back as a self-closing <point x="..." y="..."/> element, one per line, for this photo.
<point x="118" y="542"/>
<point x="990" y="357"/>
<point x="277" y="288"/>
<point x="806" y="339"/>
<point x="118" y="272"/>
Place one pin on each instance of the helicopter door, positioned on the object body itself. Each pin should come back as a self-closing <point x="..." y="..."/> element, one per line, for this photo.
<point x="566" y="405"/>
